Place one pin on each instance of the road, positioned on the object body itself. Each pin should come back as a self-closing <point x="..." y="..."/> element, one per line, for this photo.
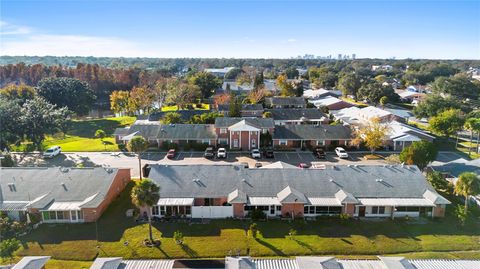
<point x="127" y="160"/>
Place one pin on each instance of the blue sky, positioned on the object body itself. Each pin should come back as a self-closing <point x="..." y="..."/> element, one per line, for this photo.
<point x="258" y="29"/>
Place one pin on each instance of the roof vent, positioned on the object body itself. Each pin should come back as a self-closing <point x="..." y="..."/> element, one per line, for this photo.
<point x="331" y="180"/>
<point x="244" y="180"/>
<point x="12" y="187"/>
<point x="379" y="180"/>
<point x="355" y="165"/>
<point x="196" y="180"/>
<point x="349" y="165"/>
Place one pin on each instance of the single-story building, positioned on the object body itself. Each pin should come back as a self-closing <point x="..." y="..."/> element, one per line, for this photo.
<point x="285" y="102"/>
<point x="300" y="136"/>
<point x="330" y="102"/>
<point x="361" y="116"/>
<point x="402" y="135"/>
<point x="224" y="191"/>
<point x="320" y="93"/>
<point x="283" y="116"/>
<point x="60" y="194"/>
<point x="247" y="110"/>
<point x="306" y="262"/>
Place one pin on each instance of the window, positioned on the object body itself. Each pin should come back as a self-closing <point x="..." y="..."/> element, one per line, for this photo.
<point x="223" y="130"/>
<point x="322" y="210"/>
<point x="206" y="141"/>
<point x="60" y="215"/>
<point x="155" y="210"/>
<point x="320" y="142"/>
<point x="80" y="214"/>
<point x="208" y="201"/>
<point x="162" y="210"/>
<point x="188" y="210"/>
<point x="235" y="143"/>
<point x="46" y="215"/>
<point x="378" y="210"/>
<point x="279" y="208"/>
<point x="407" y="209"/>
<point x="53" y="215"/>
<point x="264" y="131"/>
<point x="282" y="142"/>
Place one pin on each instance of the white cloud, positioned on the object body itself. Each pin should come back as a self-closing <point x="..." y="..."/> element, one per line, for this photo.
<point x="291" y="40"/>
<point x="12" y="29"/>
<point x="78" y="45"/>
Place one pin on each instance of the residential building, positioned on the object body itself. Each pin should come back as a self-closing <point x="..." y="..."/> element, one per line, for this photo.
<point x="401" y="135"/>
<point x="284" y="116"/>
<point x="361" y="116"/>
<point x="242" y="133"/>
<point x="232" y="84"/>
<point x="59" y="194"/>
<point x="309" y="136"/>
<point x="384" y="67"/>
<point x="285" y="102"/>
<point x="218" y="72"/>
<point x="223" y="191"/>
<point x="411" y="96"/>
<point x="30" y="262"/>
<point x="320" y="93"/>
<point x="330" y="102"/>
<point x="247" y="110"/>
<point x="300" y="262"/>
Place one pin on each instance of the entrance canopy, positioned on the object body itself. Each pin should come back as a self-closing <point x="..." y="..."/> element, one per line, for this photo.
<point x="175" y="201"/>
<point x="263" y="201"/>
<point x="395" y="202"/>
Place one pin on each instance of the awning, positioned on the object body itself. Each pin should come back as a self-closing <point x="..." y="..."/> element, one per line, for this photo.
<point x="175" y="201"/>
<point x="13" y="206"/>
<point x="263" y="201"/>
<point x="64" y="206"/>
<point x="395" y="202"/>
<point x="319" y="201"/>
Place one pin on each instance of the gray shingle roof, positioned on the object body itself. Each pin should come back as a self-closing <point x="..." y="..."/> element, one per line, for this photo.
<point x="174" y="131"/>
<point x="31" y="183"/>
<point x="177" y="181"/>
<point x="312" y="132"/>
<point x="226" y="122"/>
<point x="296" y="113"/>
<point x="284" y="101"/>
<point x="245" y="107"/>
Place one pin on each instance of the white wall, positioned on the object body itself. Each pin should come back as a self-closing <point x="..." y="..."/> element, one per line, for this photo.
<point x="212" y="212"/>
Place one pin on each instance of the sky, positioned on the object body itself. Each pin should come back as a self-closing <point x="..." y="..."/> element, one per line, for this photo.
<point x="241" y="29"/>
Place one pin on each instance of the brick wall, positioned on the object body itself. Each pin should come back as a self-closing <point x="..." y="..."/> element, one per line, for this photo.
<point x="349" y="209"/>
<point x="238" y="210"/>
<point x="439" y="211"/>
<point x="294" y="208"/>
<point x="118" y="185"/>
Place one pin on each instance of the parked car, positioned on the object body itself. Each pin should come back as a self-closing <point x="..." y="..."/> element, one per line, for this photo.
<point x="268" y="153"/>
<point x="319" y="153"/>
<point x="52" y="152"/>
<point x="209" y="153"/>
<point x="341" y="153"/>
<point x="303" y="165"/>
<point x="222" y="153"/>
<point x="256" y="154"/>
<point x="258" y="165"/>
<point x="171" y="154"/>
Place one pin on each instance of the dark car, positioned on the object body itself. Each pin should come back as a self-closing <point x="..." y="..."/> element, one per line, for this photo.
<point x="171" y="154"/>
<point x="303" y="165"/>
<point x="319" y="153"/>
<point x="209" y="153"/>
<point x="268" y="153"/>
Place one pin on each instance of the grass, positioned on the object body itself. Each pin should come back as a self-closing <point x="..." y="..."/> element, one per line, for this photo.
<point x="80" y="135"/>
<point x="434" y="238"/>
<point x="175" y="107"/>
<point x="351" y="100"/>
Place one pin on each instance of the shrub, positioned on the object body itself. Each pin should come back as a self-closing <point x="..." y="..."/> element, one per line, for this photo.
<point x="344" y="216"/>
<point x="7" y="161"/>
<point x="257" y="214"/>
<point x="292" y="233"/>
<point x="253" y="229"/>
<point x="166" y="145"/>
<point x="178" y="237"/>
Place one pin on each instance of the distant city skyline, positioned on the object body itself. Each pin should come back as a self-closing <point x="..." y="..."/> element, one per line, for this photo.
<point x="241" y="29"/>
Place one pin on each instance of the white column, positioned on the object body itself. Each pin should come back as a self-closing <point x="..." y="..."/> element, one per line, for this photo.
<point x="258" y="140"/>
<point x="230" y="140"/>
<point x="240" y="139"/>
<point x="249" y="139"/>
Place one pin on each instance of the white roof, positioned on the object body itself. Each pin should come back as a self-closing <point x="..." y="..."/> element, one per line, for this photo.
<point x="64" y="206"/>
<point x="263" y="201"/>
<point x="32" y="262"/>
<point x="370" y="112"/>
<point x="130" y="136"/>
<point x="395" y="202"/>
<point x="319" y="201"/>
<point x="242" y="126"/>
<point x="147" y="264"/>
<point x="446" y="264"/>
<point x="326" y="101"/>
<point x="106" y="263"/>
<point x="175" y="201"/>
<point x="278" y="164"/>
<point x="314" y="93"/>
<point x="13" y="205"/>
<point x="397" y="130"/>
<point x="407" y="138"/>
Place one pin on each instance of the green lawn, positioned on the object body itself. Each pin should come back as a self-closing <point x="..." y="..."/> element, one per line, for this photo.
<point x="80" y="135"/>
<point x="438" y="238"/>
<point x="175" y="108"/>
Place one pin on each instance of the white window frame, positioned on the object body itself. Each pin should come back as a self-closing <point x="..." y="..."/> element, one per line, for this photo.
<point x="282" y="142"/>
<point x="223" y="130"/>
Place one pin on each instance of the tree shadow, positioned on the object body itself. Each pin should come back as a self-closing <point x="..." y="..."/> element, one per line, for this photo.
<point x="277" y="251"/>
<point x="190" y="252"/>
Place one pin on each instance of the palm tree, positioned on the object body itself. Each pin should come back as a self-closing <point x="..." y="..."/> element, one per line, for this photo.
<point x="146" y="193"/>
<point x="473" y="125"/>
<point x="467" y="184"/>
<point x="138" y="145"/>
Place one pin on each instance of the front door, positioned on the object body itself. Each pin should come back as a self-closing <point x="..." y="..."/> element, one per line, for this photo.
<point x="272" y="210"/>
<point x="73" y="216"/>
<point x="361" y="211"/>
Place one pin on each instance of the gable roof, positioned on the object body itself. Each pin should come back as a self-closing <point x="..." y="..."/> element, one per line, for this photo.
<point x="225" y="122"/>
<point x="294" y="114"/>
<point x="32" y="262"/>
<point x="42" y="187"/>
<point x="291" y="195"/>
<point x="106" y="263"/>
<point x="356" y="181"/>
<point x="312" y="132"/>
<point x="284" y="101"/>
<point x="456" y="167"/>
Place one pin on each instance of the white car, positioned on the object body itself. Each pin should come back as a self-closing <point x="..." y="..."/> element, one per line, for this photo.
<point x="256" y="154"/>
<point x="222" y="153"/>
<point x="341" y="153"/>
<point x="52" y="152"/>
